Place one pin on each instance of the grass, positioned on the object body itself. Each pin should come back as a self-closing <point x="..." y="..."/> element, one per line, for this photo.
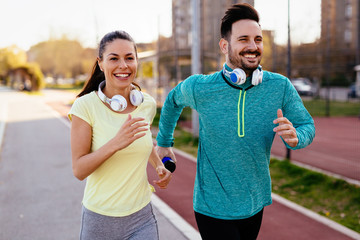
<point x="317" y="108"/>
<point x="327" y="196"/>
<point x="186" y="142"/>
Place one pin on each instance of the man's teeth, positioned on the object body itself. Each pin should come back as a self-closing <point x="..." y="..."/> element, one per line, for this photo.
<point x="250" y="55"/>
<point x="122" y="75"/>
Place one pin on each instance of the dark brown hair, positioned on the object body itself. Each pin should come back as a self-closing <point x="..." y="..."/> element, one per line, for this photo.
<point x="235" y="13"/>
<point x="97" y="76"/>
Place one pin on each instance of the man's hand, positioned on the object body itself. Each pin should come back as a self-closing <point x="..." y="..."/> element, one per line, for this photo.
<point x="165" y="152"/>
<point x="285" y="129"/>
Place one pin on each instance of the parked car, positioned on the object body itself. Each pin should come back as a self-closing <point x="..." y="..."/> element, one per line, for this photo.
<point x="303" y="86"/>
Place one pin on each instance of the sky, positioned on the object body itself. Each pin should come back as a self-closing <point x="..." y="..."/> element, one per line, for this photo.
<point x="305" y="19"/>
<point x="27" y="22"/>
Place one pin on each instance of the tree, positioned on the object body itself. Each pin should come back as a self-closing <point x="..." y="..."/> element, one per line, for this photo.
<point x="11" y="57"/>
<point x="62" y="58"/>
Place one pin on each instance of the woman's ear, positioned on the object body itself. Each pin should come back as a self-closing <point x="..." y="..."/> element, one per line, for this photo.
<point x="224" y="45"/>
<point x="99" y="62"/>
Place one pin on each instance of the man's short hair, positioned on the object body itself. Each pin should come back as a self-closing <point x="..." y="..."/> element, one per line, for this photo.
<point x="235" y="13"/>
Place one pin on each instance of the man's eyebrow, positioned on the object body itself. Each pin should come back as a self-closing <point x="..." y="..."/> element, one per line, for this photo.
<point x="243" y="36"/>
<point x="246" y="36"/>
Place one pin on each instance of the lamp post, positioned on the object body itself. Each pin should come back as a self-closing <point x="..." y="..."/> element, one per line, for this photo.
<point x="195" y="56"/>
<point x="288" y="151"/>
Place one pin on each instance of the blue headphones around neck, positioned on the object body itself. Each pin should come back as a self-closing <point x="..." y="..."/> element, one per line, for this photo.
<point x="238" y="76"/>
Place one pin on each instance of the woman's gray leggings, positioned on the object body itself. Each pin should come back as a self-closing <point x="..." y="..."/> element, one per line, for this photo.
<point x="137" y="226"/>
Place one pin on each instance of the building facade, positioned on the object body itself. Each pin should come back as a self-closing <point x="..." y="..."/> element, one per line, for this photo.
<point x="340" y="38"/>
<point x="211" y="13"/>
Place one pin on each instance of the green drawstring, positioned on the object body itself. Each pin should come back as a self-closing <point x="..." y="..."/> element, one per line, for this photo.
<point x="241" y="127"/>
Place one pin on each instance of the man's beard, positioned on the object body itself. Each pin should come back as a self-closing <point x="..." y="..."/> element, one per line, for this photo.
<point x="236" y="60"/>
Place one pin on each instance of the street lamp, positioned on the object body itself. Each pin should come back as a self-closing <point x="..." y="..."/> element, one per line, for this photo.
<point x="288" y="151"/>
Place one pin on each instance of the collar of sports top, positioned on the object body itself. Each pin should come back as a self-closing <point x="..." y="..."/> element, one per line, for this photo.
<point x="118" y="103"/>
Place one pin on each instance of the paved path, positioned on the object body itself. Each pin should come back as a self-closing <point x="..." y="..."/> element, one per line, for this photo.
<point x="40" y="198"/>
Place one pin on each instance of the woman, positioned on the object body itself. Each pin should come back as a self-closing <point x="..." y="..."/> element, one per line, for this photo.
<point x="111" y="144"/>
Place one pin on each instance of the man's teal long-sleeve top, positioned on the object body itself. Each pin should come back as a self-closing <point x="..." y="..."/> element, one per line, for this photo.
<point x="235" y="138"/>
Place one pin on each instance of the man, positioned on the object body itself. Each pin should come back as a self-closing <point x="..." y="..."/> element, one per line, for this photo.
<point x="240" y="109"/>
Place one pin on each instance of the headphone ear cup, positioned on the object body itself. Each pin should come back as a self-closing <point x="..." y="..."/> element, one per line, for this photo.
<point x="238" y="76"/>
<point x="257" y="77"/>
<point x="118" y="103"/>
<point x="136" y="97"/>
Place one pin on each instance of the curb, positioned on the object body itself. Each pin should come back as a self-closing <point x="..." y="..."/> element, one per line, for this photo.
<point x="175" y="218"/>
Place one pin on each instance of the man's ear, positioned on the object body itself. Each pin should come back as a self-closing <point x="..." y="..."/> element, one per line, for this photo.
<point x="224" y="44"/>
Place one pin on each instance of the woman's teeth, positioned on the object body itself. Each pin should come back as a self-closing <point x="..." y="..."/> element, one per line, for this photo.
<point x="122" y="75"/>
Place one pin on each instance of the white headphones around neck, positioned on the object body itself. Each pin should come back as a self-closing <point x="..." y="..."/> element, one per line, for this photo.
<point x="238" y="76"/>
<point x="118" y="103"/>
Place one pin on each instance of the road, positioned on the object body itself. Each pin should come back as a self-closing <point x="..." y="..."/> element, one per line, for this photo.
<point x="40" y="199"/>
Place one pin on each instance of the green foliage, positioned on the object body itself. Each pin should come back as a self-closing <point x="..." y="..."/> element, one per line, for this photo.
<point x="186" y="114"/>
<point x="38" y="76"/>
<point x="156" y="120"/>
<point x="185" y="138"/>
<point x="337" y="80"/>
<point x="63" y="57"/>
<point x="147" y="69"/>
<point x="10" y="58"/>
<point x="57" y="58"/>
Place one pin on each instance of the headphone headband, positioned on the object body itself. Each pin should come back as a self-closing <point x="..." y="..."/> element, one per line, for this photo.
<point x="118" y="103"/>
<point x="101" y="95"/>
<point x="225" y="71"/>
